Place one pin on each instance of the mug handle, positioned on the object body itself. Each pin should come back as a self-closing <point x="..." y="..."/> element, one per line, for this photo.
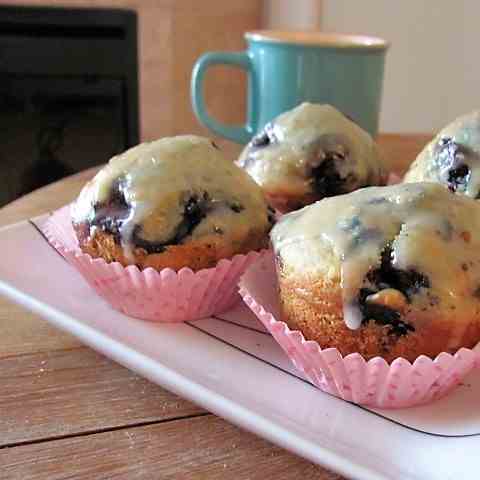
<point x="240" y="134"/>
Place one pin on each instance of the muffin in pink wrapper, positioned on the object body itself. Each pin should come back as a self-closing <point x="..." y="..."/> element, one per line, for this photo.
<point x="373" y="382"/>
<point x="383" y="276"/>
<point x="165" y="230"/>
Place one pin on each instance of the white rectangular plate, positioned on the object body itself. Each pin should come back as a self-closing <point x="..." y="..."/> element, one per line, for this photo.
<point x="230" y="366"/>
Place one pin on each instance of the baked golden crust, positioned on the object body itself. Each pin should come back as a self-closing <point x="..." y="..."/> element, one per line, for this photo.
<point x="314" y="306"/>
<point x="204" y="252"/>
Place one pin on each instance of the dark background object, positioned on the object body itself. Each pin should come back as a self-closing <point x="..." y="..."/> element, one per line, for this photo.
<point x="68" y="92"/>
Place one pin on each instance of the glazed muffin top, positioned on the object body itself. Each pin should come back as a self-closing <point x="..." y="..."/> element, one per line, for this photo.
<point x="452" y="158"/>
<point x="413" y="243"/>
<point x="312" y="149"/>
<point x="170" y="191"/>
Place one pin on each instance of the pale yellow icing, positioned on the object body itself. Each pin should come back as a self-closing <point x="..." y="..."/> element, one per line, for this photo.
<point x="430" y="230"/>
<point x="284" y="164"/>
<point x="428" y="167"/>
<point x="160" y="176"/>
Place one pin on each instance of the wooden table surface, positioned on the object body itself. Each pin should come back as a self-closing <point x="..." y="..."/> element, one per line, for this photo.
<point x="69" y="412"/>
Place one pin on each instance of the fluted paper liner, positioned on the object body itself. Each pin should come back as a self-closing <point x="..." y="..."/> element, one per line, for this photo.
<point x="149" y="294"/>
<point x="374" y="382"/>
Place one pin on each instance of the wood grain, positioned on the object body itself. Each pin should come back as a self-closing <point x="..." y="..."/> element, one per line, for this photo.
<point x="24" y="333"/>
<point x="400" y="150"/>
<point x="67" y="392"/>
<point x="193" y="449"/>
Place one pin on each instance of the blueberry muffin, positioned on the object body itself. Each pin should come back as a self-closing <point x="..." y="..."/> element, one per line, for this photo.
<point x="452" y="158"/>
<point x="309" y="153"/>
<point x="174" y="202"/>
<point x="383" y="271"/>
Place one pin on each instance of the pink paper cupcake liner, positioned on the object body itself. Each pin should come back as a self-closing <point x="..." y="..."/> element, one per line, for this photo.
<point x="148" y="294"/>
<point x="374" y="383"/>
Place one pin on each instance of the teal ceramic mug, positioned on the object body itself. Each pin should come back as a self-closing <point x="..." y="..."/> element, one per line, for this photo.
<point x="287" y="68"/>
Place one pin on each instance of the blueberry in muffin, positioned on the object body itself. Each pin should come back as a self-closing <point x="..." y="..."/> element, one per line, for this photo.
<point x="310" y="153"/>
<point x="383" y="271"/>
<point x="175" y="202"/>
<point x="452" y="158"/>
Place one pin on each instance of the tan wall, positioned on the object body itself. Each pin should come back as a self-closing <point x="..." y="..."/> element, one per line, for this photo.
<point x="290" y="14"/>
<point x="172" y="34"/>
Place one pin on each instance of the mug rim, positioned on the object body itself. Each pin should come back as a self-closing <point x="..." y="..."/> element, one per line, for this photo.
<point x="315" y="38"/>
